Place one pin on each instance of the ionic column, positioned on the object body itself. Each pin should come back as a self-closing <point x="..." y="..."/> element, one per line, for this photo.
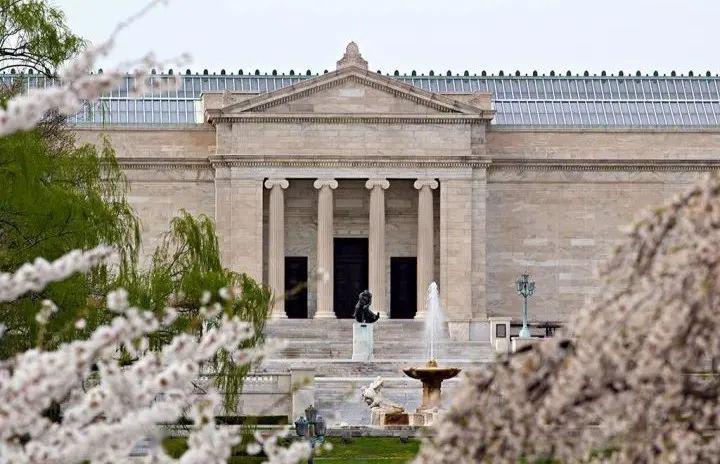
<point x="425" y="252"/>
<point x="276" y="245"/>
<point x="376" y="244"/>
<point x="325" y="263"/>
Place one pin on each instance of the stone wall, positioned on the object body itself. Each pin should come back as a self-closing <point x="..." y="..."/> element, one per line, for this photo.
<point x="552" y="202"/>
<point x="353" y="140"/>
<point x="559" y="226"/>
<point x="152" y="141"/>
<point x="159" y="193"/>
<point x="605" y="143"/>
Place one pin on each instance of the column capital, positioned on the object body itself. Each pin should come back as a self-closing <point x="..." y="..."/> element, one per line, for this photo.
<point x="282" y="183"/>
<point x="379" y="182"/>
<point x="320" y="183"/>
<point x="420" y="183"/>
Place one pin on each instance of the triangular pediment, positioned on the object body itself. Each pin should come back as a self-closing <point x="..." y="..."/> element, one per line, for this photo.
<point x="352" y="91"/>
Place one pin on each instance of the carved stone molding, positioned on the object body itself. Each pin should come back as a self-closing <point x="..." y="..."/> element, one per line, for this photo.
<point x="282" y="183"/>
<point x="164" y="163"/>
<point x="321" y="161"/>
<point x="633" y="165"/>
<point x="320" y="183"/>
<point x="352" y="57"/>
<point x="215" y="162"/>
<point x="443" y="104"/>
<point x="372" y="183"/>
<point x="320" y="118"/>
<point x="420" y="183"/>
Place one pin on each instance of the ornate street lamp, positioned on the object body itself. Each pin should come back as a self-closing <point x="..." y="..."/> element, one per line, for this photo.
<point x="312" y="427"/>
<point x="525" y="288"/>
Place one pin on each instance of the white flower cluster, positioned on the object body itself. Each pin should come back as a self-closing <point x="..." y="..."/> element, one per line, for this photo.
<point x="277" y="454"/>
<point x="35" y="276"/>
<point x="25" y="111"/>
<point x="126" y="406"/>
<point x="630" y="385"/>
<point x="104" y="423"/>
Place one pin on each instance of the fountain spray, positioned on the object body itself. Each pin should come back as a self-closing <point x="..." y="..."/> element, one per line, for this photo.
<point x="433" y="318"/>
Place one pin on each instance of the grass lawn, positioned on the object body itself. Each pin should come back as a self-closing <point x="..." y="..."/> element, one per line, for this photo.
<point x="365" y="450"/>
<point x="369" y="450"/>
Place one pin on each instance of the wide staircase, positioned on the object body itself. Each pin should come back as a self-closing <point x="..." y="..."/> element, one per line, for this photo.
<point x="326" y="346"/>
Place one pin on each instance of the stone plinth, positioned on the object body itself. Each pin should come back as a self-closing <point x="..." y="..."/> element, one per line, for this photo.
<point x="362" y="342"/>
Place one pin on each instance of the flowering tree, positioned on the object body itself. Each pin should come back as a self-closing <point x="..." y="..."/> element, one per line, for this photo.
<point x="103" y="422"/>
<point x="626" y="387"/>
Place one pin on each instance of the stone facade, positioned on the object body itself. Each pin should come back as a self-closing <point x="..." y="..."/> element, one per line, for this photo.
<point x="549" y="201"/>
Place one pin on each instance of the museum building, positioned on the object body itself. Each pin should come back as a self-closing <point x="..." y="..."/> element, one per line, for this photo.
<point x="322" y="185"/>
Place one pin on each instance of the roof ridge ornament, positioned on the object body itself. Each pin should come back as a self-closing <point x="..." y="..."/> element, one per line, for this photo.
<point x="352" y="57"/>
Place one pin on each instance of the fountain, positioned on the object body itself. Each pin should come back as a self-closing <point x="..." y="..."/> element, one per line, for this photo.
<point x="431" y="375"/>
<point x="385" y="413"/>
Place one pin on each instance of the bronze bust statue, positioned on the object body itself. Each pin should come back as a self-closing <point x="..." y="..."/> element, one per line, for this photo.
<point x="362" y="312"/>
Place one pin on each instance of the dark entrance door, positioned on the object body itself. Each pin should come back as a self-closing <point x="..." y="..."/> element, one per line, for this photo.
<point x="296" y="297"/>
<point x="403" y="287"/>
<point x="351" y="274"/>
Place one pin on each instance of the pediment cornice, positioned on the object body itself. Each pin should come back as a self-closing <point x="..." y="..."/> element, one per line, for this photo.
<point x="441" y="105"/>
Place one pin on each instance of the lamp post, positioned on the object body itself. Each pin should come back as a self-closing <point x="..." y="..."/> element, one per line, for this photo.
<point x="525" y="288"/>
<point x="312" y="427"/>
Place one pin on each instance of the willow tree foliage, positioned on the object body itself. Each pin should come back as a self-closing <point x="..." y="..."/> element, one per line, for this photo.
<point x="56" y="197"/>
<point x="187" y="273"/>
<point x="34" y="35"/>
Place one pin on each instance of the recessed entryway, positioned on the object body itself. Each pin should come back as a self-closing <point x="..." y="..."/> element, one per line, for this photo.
<point x="296" y="291"/>
<point x="403" y="287"/>
<point x="351" y="274"/>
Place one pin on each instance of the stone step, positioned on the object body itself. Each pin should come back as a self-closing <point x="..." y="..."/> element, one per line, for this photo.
<point x="406" y="350"/>
<point x="347" y="368"/>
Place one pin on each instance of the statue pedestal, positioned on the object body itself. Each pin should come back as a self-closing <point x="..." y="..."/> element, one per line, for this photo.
<point x="362" y="342"/>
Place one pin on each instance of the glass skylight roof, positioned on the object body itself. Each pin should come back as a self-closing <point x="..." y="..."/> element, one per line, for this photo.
<point x="616" y="101"/>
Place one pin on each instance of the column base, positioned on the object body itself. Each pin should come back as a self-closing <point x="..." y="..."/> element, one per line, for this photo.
<point x="420" y="316"/>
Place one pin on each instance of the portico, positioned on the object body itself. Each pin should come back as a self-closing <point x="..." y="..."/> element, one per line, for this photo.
<point x="360" y="160"/>
<point x="408" y="243"/>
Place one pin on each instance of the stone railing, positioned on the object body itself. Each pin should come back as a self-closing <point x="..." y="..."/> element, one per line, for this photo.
<point x="275" y="393"/>
<point x="504" y="333"/>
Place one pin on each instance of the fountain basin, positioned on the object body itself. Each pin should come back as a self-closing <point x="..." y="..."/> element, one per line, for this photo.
<point x="431" y="376"/>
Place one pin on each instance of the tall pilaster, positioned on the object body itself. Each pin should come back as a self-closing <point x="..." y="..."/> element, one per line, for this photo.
<point x="276" y="245"/>
<point x="425" y="251"/>
<point x="376" y="244"/>
<point x="325" y="250"/>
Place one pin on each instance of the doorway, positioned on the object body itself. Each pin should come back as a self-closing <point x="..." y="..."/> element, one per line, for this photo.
<point x="296" y="292"/>
<point x="351" y="274"/>
<point x="403" y="287"/>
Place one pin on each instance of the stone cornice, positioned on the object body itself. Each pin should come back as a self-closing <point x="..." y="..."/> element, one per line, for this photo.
<point x="305" y="161"/>
<point x="443" y="118"/>
<point x="458" y="162"/>
<point x="164" y="163"/>
<point x="632" y="165"/>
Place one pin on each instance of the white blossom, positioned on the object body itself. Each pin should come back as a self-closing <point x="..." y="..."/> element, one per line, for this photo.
<point x="625" y="384"/>
<point x="47" y="309"/>
<point x="34" y="277"/>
